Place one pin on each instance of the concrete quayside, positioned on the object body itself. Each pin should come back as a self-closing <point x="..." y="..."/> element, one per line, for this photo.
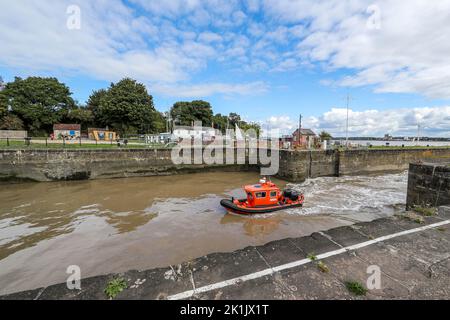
<point x="413" y="259"/>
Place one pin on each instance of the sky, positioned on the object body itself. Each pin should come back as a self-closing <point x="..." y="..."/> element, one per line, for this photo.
<point x="268" y="60"/>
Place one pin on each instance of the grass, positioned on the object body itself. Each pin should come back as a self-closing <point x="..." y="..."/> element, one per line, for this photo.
<point x="114" y="287"/>
<point x="425" y="211"/>
<point x="312" y="257"/>
<point x="356" y="288"/>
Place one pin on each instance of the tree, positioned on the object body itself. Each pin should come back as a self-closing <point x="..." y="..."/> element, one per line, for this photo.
<point x="185" y="113"/>
<point x="126" y="106"/>
<point x="3" y="105"/>
<point x="181" y="113"/>
<point x="2" y="84"/>
<point x="93" y="104"/>
<point x="220" y="122"/>
<point x="159" y="122"/>
<point x="202" y="111"/>
<point x="234" y="119"/>
<point x="79" y="115"/>
<point x="252" y="125"/>
<point x="38" y="102"/>
<point x="11" y="122"/>
<point x="325" y="136"/>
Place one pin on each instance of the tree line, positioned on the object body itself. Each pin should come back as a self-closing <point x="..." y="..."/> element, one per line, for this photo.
<point x="35" y="104"/>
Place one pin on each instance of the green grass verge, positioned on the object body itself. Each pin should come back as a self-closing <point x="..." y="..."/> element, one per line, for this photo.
<point x="72" y="145"/>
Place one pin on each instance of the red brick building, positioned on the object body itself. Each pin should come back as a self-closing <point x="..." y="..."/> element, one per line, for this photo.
<point x="306" y="139"/>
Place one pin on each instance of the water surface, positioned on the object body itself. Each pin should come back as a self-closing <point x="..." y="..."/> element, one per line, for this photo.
<point x="115" y="225"/>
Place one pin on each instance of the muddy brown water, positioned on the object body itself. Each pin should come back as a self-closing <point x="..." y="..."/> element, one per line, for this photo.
<point x="107" y="226"/>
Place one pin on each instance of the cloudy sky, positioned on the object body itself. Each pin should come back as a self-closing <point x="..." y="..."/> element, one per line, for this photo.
<point x="268" y="60"/>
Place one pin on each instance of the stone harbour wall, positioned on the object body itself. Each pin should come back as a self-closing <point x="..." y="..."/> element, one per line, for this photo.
<point x="294" y="166"/>
<point x="428" y="185"/>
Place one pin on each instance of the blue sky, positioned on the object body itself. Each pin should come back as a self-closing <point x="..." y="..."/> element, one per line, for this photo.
<point x="267" y="60"/>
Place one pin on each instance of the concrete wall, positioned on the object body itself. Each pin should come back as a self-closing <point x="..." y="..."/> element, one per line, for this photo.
<point x="354" y="162"/>
<point x="54" y="165"/>
<point x="295" y="166"/>
<point x="301" y="165"/>
<point x="428" y="185"/>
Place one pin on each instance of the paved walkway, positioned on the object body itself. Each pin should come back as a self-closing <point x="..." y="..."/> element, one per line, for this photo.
<point x="412" y="253"/>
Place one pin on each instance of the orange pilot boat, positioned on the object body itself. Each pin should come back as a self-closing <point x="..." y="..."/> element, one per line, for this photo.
<point x="264" y="197"/>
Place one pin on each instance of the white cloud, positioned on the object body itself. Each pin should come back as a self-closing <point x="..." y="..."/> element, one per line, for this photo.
<point x="409" y="53"/>
<point x="204" y="90"/>
<point x="434" y="122"/>
<point x="110" y="44"/>
<point x="173" y="41"/>
<point x="209" y="37"/>
<point x="114" y="42"/>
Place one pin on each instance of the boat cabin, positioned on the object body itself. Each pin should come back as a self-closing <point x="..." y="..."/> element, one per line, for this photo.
<point x="263" y="194"/>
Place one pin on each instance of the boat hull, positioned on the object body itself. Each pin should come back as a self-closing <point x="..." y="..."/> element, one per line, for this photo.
<point x="229" y="205"/>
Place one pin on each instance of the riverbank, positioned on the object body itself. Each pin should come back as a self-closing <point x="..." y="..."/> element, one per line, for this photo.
<point x="410" y="251"/>
<point x="294" y="166"/>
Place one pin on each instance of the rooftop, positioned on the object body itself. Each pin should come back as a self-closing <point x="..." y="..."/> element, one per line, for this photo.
<point x="304" y="132"/>
<point x="64" y="126"/>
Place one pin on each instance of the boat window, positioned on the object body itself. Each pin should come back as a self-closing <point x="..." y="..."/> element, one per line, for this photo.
<point x="260" y="194"/>
<point x="273" y="194"/>
<point x="250" y="196"/>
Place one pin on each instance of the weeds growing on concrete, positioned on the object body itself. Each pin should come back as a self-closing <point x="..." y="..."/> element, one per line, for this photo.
<point x="312" y="256"/>
<point x="356" y="288"/>
<point x="425" y="211"/>
<point x="114" y="287"/>
<point x="323" y="267"/>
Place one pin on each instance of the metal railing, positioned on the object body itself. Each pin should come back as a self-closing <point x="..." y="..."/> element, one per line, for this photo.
<point x="45" y="142"/>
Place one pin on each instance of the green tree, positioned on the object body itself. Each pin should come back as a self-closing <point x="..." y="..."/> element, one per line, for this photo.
<point x="184" y="113"/>
<point x="220" y="122"/>
<point x="3" y="99"/>
<point x="3" y="105"/>
<point x="37" y="101"/>
<point x="202" y="111"/>
<point x="251" y="125"/>
<point x="127" y="107"/>
<point x="79" y="115"/>
<point x="11" y="122"/>
<point x="234" y="119"/>
<point x="93" y="104"/>
<point x="325" y="136"/>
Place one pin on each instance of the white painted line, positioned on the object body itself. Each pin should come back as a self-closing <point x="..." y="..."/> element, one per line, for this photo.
<point x="270" y="271"/>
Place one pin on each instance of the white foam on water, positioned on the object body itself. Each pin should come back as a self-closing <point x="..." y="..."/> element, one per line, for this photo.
<point x="364" y="196"/>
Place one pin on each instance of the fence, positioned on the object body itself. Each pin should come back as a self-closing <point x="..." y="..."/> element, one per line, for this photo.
<point x="13" y="134"/>
<point x="29" y="142"/>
